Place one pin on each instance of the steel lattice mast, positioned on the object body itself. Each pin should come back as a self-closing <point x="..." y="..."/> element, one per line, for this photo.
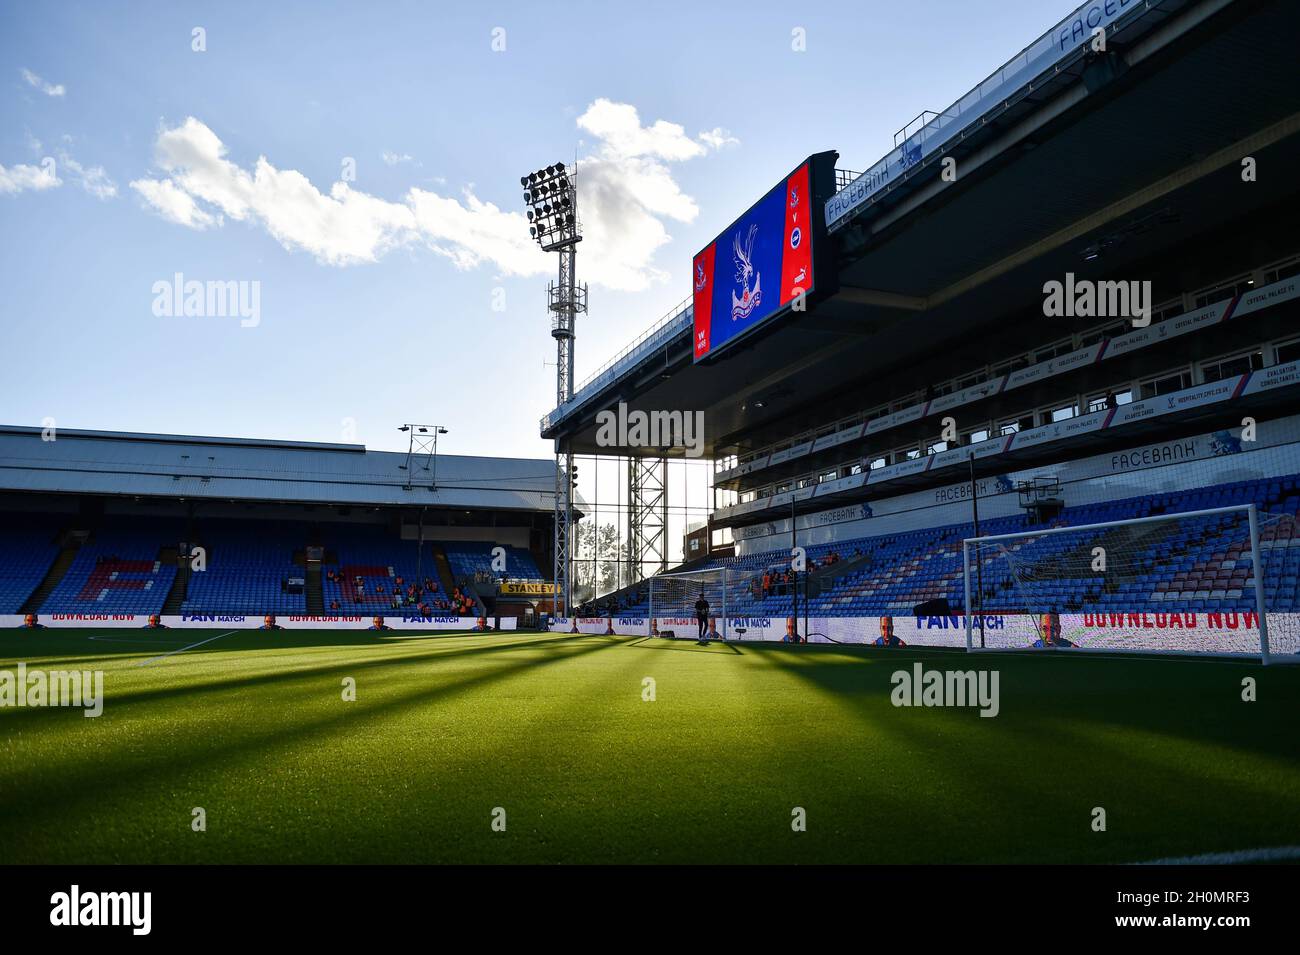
<point x="551" y="196"/>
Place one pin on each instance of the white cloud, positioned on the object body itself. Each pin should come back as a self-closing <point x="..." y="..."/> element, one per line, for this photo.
<point x="20" y="178"/>
<point x="173" y="203"/>
<point x="49" y="89"/>
<point x="46" y="176"/>
<point x="396" y="159"/>
<point x="626" y="192"/>
<point x="476" y="232"/>
<point x="717" y="138"/>
<point x="627" y="189"/>
<point x="619" y="128"/>
<point x="93" y="178"/>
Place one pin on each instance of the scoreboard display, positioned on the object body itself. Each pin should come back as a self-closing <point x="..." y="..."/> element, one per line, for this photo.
<point x="756" y="269"/>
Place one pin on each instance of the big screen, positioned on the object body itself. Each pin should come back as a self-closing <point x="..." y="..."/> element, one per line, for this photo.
<point x="756" y="268"/>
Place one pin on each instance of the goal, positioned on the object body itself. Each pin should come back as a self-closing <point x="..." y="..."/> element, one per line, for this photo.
<point x="673" y="597"/>
<point x="1190" y="582"/>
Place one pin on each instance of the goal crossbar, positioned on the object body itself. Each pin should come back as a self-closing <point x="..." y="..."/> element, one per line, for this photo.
<point x="718" y="573"/>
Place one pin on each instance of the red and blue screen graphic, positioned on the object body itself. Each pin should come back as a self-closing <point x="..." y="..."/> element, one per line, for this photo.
<point x="756" y="268"/>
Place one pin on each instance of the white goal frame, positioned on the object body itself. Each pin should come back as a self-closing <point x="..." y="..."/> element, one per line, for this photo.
<point x="1256" y="560"/>
<point x="695" y="574"/>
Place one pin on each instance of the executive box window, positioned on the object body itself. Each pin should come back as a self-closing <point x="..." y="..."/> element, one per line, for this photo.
<point x="1232" y="367"/>
<point x="1015" y="425"/>
<point x="1164" y="384"/>
<point x="1098" y="401"/>
<point x="1053" y="351"/>
<point x="1061" y="412"/>
<point x="1288" y="351"/>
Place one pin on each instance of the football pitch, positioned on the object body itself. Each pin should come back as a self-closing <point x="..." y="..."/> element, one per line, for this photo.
<point x="555" y="737"/>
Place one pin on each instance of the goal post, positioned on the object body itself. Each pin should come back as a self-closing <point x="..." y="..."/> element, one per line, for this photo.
<point x="1190" y="582"/>
<point x="673" y="598"/>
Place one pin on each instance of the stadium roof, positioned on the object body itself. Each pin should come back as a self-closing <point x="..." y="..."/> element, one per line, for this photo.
<point x="1135" y="152"/>
<point x="242" y="469"/>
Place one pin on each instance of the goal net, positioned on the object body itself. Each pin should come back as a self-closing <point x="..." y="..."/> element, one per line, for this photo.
<point x="673" y="599"/>
<point x="1192" y="582"/>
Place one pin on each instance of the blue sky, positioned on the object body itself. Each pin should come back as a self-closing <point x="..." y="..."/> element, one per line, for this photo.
<point x="407" y="292"/>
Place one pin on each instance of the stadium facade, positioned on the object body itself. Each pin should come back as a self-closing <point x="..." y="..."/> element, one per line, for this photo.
<point x="1068" y="298"/>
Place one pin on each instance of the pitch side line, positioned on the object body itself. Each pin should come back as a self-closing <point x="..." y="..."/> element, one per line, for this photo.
<point x="1240" y="857"/>
<point x="183" y="649"/>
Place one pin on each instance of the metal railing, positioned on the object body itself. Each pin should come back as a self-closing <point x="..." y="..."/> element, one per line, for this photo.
<point x="665" y="329"/>
<point x="1047" y="54"/>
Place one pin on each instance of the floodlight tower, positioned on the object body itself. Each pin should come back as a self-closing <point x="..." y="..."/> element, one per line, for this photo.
<point x="551" y="197"/>
<point x="423" y="445"/>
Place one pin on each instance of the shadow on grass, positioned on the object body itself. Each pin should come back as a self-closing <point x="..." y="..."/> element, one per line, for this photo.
<point x="346" y="667"/>
<point x="690" y="646"/>
<point x="101" y="783"/>
<point x="1021" y="786"/>
<point x="129" y="642"/>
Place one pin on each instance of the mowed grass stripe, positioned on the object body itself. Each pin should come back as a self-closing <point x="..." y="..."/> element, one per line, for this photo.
<point x="553" y="728"/>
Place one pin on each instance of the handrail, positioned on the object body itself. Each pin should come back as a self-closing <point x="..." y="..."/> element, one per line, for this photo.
<point x="929" y="130"/>
<point x="680" y="314"/>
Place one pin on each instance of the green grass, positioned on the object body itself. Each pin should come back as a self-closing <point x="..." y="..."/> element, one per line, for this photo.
<point x="252" y="728"/>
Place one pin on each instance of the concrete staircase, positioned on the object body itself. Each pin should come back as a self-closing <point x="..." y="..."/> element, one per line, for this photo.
<point x="180" y="586"/>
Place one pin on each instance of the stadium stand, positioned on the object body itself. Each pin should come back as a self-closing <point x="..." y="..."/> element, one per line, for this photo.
<point x="121" y="569"/>
<point x="371" y="566"/>
<point x="470" y="559"/>
<point x="248" y="564"/>
<point x="1196" y="565"/>
<point x="27" y="550"/>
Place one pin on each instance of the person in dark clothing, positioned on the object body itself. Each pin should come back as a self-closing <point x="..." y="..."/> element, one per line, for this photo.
<point x="702" y="617"/>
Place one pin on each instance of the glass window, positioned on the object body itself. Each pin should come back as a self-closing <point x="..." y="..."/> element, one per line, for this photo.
<point x="1098" y="401"/>
<point x="1288" y="351"/>
<point x="1015" y="425"/>
<point x="1165" y="384"/>
<point x="1232" y="367"/>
